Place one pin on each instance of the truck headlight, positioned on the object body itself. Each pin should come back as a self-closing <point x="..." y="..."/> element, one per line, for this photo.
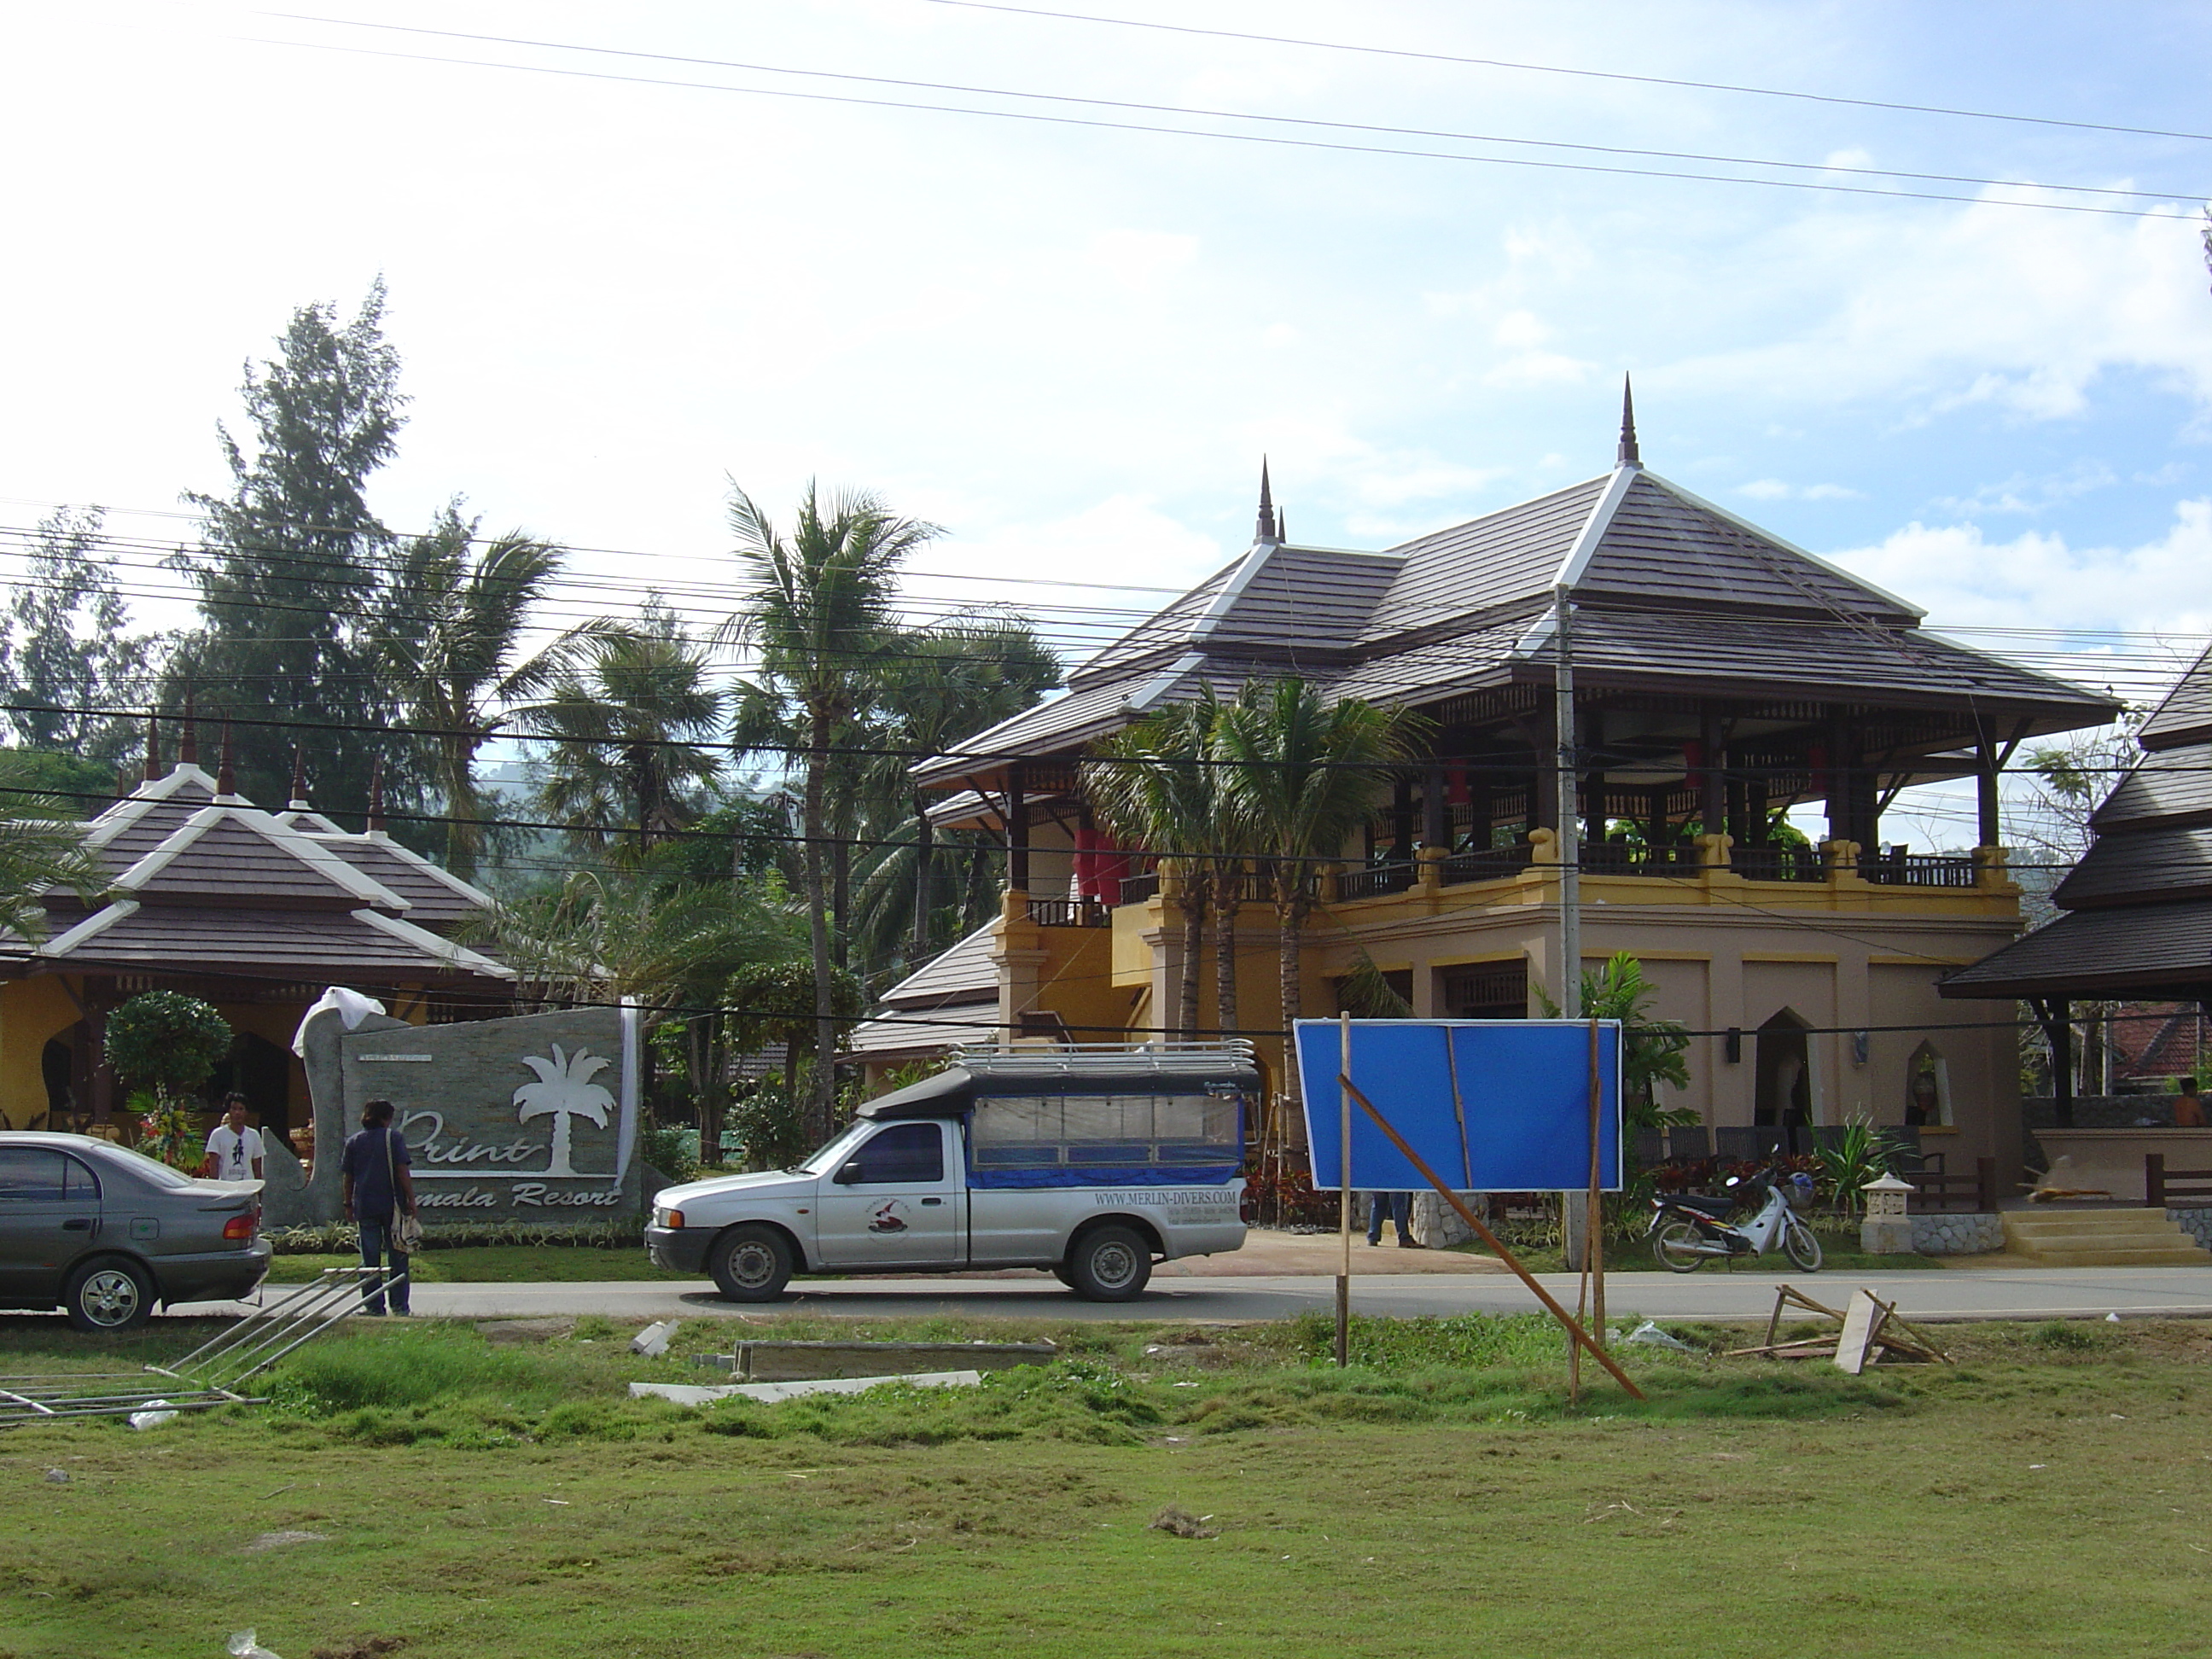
<point x="668" y="1217"/>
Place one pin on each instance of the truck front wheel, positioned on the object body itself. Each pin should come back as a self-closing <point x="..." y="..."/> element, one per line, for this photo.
<point x="1110" y="1264"/>
<point x="750" y="1263"/>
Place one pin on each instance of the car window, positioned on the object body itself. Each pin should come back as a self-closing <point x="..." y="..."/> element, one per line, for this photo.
<point x="77" y="1180"/>
<point x="149" y="1168"/>
<point x="905" y="1152"/>
<point x="31" y="1175"/>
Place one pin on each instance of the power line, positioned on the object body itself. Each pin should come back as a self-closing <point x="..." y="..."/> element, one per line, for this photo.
<point x="1329" y="145"/>
<point x="1594" y="75"/>
<point x="1235" y="115"/>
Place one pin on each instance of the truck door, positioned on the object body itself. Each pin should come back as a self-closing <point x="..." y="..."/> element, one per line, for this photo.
<point x="897" y="1201"/>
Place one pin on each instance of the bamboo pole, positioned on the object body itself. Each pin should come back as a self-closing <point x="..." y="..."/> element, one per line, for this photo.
<point x="1575" y="1332"/>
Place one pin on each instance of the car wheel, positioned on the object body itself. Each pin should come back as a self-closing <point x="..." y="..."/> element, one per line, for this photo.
<point x="1110" y="1264"/>
<point x="750" y="1263"/>
<point x="113" y="1295"/>
<point x="1061" y="1273"/>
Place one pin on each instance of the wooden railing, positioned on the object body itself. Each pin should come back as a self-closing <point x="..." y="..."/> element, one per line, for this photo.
<point x="1069" y="913"/>
<point x="1496" y="864"/>
<point x="2160" y="1187"/>
<point x="1374" y="880"/>
<point x="1896" y="869"/>
<point x="1778" y="863"/>
<point x="1139" y="890"/>
<point x="1934" y="1190"/>
<point x="1630" y="857"/>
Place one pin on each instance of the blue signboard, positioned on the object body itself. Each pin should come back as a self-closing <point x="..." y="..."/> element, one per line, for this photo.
<point x="1490" y="1105"/>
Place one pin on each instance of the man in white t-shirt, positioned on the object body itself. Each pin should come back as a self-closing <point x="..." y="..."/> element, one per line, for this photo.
<point x="233" y="1151"/>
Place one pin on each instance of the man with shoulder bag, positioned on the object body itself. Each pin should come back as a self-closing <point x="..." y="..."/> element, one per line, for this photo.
<point x="380" y="1196"/>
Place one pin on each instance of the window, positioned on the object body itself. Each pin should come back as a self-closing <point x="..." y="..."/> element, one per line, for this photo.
<point x="905" y="1152"/>
<point x="31" y="1175"/>
<point x="77" y="1181"/>
<point x="1118" y="1130"/>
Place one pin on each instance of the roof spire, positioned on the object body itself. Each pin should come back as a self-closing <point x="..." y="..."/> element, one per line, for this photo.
<point x="1267" y="528"/>
<point x="226" y="774"/>
<point x="1628" y="455"/>
<point x="153" y="744"/>
<point x="376" y="795"/>
<point x="188" y="752"/>
<point x="299" y="801"/>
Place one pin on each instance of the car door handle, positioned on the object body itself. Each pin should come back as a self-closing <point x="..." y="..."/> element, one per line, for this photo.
<point x="933" y="1201"/>
<point x="79" y="1224"/>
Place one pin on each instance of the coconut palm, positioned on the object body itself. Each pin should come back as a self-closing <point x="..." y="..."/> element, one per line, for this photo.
<point x="41" y="848"/>
<point x="632" y="710"/>
<point x="1305" y="772"/>
<point x="454" y="648"/>
<point x="818" y="611"/>
<point x="1150" y="785"/>
<point x="564" y="1091"/>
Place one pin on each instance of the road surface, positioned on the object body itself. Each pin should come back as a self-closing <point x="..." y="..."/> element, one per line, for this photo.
<point x="2025" y="1292"/>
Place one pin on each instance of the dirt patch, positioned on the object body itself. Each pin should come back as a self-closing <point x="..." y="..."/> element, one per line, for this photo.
<point x="1183" y="1524"/>
<point x="367" y="1648"/>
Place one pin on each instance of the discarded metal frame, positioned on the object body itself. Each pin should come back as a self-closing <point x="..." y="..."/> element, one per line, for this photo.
<point x="215" y="1372"/>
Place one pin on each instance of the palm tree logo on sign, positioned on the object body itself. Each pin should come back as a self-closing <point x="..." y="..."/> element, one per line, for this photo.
<point x="564" y="1091"/>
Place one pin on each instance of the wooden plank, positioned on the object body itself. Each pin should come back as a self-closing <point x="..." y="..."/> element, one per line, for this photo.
<point x="1864" y="1316"/>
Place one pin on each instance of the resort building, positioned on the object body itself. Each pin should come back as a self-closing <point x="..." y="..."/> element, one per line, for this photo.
<point x="1721" y="677"/>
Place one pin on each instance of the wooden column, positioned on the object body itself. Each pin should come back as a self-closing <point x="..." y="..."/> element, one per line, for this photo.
<point x="1401" y="817"/>
<point x="1017" y="832"/>
<point x="1991" y="828"/>
<point x="1436" y="830"/>
<point x="1712" y="781"/>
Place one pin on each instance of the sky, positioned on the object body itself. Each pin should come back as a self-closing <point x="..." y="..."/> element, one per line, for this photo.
<point x="1071" y="345"/>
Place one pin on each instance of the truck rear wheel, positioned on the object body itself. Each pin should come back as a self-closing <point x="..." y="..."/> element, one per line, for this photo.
<point x="750" y="1263"/>
<point x="1110" y="1264"/>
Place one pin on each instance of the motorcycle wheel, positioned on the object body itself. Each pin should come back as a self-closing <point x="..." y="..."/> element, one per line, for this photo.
<point x="1801" y="1247"/>
<point x="1671" y="1245"/>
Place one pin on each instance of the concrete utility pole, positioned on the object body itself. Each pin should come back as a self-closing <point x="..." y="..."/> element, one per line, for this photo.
<point x="1574" y="1210"/>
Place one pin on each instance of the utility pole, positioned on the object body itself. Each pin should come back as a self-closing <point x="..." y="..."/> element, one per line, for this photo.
<point x="1574" y="1209"/>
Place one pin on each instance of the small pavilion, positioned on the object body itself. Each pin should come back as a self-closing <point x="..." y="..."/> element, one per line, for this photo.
<point x="254" y="912"/>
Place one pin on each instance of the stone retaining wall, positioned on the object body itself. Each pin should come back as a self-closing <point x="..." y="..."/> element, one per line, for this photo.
<point x="1959" y="1234"/>
<point x="2195" y="1220"/>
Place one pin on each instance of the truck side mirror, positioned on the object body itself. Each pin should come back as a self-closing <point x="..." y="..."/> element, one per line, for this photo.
<point x="846" y="1176"/>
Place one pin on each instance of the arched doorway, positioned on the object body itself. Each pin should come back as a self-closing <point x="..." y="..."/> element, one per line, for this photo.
<point x="262" y="1072"/>
<point x="1783" y="1093"/>
<point x="1927" y="1087"/>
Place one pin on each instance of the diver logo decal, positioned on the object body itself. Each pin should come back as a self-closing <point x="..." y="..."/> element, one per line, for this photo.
<point x="888" y="1218"/>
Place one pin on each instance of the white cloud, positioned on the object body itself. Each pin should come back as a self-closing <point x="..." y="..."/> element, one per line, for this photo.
<point x="1774" y="490"/>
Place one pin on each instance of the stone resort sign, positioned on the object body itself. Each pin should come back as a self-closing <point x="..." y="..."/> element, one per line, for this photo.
<point x="529" y="1118"/>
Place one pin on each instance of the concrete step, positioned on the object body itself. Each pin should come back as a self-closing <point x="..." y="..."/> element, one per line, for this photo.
<point x="2101" y="1238"/>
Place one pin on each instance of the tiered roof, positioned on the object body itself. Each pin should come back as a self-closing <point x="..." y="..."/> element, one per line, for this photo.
<point x="202" y="881"/>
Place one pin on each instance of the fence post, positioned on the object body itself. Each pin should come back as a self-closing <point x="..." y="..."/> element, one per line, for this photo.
<point x="2155" y="1179"/>
<point x="1985" y="1184"/>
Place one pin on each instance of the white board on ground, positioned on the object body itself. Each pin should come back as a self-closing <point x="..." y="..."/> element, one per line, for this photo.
<point x="685" y="1393"/>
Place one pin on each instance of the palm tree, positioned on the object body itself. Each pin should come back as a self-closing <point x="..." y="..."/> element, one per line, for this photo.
<point x="632" y="709"/>
<point x="455" y="651"/>
<point x="1305" y="773"/>
<point x="818" y="611"/>
<point x="934" y="687"/>
<point x="41" y="848"/>
<point x="1152" y="784"/>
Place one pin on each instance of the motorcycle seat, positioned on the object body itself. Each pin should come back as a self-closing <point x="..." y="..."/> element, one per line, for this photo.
<point x="1711" y="1206"/>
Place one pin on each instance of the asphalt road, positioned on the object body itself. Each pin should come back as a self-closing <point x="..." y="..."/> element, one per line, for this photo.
<point x="1988" y="1294"/>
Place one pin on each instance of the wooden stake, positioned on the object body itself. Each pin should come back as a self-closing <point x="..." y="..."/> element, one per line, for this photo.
<point x="1482" y="1230"/>
<point x="1344" y="1207"/>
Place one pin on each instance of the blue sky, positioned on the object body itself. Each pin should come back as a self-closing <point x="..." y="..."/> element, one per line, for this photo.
<point x="1071" y="347"/>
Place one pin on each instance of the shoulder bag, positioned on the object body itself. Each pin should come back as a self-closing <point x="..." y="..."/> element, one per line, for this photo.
<point x="406" y="1226"/>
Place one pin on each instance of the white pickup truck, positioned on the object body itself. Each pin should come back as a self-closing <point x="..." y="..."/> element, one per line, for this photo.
<point x="1094" y="1162"/>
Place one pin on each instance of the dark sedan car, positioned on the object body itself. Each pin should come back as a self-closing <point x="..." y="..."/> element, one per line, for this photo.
<point x="105" y="1233"/>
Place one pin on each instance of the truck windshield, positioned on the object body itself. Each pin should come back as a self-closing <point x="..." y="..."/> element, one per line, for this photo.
<point x="832" y="1152"/>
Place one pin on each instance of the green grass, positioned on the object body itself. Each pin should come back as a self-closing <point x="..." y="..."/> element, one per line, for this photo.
<point x="2046" y="1496"/>
<point x="494" y="1264"/>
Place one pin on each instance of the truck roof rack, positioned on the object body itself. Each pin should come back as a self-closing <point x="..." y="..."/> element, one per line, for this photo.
<point x="1164" y="1058"/>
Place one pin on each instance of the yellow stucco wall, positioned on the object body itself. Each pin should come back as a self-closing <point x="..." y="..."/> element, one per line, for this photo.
<point x="32" y="1011"/>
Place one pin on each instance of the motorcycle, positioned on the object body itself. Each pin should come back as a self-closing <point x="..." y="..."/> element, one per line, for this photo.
<point x="1689" y="1230"/>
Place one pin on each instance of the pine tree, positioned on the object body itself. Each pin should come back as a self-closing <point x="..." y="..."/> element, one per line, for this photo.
<point x="64" y="648"/>
<point x="293" y="566"/>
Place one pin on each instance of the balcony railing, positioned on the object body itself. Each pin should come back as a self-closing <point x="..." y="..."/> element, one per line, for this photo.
<point x="1494" y="863"/>
<point x="1629" y="858"/>
<point x="1140" y="889"/>
<point x="1778" y="863"/>
<point x="1069" y="913"/>
<point x="1898" y="868"/>
<point x="1374" y="881"/>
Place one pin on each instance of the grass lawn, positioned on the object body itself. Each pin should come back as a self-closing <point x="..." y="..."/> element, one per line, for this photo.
<point x="2048" y="1495"/>
<point x="496" y="1264"/>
